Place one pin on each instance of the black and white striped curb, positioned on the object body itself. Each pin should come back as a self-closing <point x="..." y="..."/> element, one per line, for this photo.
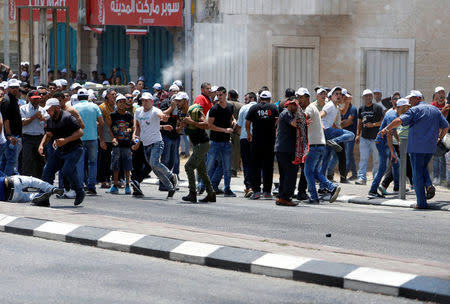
<point x="390" y="202"/>
<point x="253" y="261"/>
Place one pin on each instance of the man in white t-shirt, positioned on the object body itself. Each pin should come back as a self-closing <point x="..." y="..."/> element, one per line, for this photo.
<point x="333" y="135"/>
<point x="147" y="131"/>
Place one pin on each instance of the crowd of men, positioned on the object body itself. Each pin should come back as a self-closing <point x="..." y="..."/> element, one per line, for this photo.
<point x="115" y="140"/>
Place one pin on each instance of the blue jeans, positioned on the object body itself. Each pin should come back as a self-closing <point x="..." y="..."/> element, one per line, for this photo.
<point x="153" y="153"/>
<point x="439" y="167"/>
<point x="21" y="182"/>
<point x="366" y="147"/>
<point x="88" y="163"/>
<point x="339" y="136"/>
<point x="10" y="158"/>
<point x="312" y="172"/>
<point x="350" y="157"/>
<point x="332" y="163"/>
<point x="384" y="155"/>
<point x="421" y="177"/>
<point x="65" y="163"/>
<point x="2" y="150"/>
<point x="169" y="153"/>
<point x="220" y="152"/>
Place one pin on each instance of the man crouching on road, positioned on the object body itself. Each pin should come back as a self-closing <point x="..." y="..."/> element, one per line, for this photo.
<point x="11" y="189"/>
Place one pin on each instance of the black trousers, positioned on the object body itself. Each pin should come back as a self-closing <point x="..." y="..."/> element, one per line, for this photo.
<point x="389" y="177"/>
<point x="32" y="162"/>
<point x="246" y="155"/>
<point x="262" y="160"/>
<point x="104" y="164"/>
<point x="288" y="175"/>
<point x="302" y="183"/>
<point x="141" y="168"/>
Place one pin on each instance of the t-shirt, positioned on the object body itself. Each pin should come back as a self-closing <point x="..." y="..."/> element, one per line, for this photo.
<point x="242" y="121"/>
<point x="222" y="119"/>
<point x="351" y="111"/>
<point x="317" y="105"/>
<point x="63" y="127"/>
<point x="149" y="123"/>
<point x="332" y="111"/>
<point x="196" y="135"/>
<point x="286" y="133"/>
<point x="438" y="105"/>
<point x="388" y="118"/>
<point x="374" y="113"/>
<point x="173" y="118"/>
<point x="315" y="129"/>
<point x="263" y="117"/>
<point x="204" y="102"/>
<point x="89" y="113"/>
<point x="381" y="105"/>
<point x="122" y="128"/>
<point x="10" y="111"/>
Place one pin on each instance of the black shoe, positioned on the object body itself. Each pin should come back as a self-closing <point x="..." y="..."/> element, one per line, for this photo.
<point x="431" y="191"/>
<point x="191" y="197"/>
<point x="170" y="193"/>
<point x="334" y="145"/>
<point x="310" y="201"/>
<point x="352" y="178"/>
<point x="174" y="181"/>
<point x="219" y="191"/>
<point x="210" y="198"/>
<point x="233" y="173"/>
<point x="229" y="193"/>
<point x="91" y="192"/>
<point x="136" y="188"/>
<point x="344" y="180"/>
<point x="79" y="198"/>
<point x="41" y="197"/>
<point x="179" y="178"/>
<point x="323" y="191"/>
<point x="44" y="203"/>
<point x="334" y="194"/>
<point x="376" y="195"/>
<point x="200" y="191"/>
<point x="302" y="196"/>
<point x="330" y="177"/>
<point x="58" y="191"/>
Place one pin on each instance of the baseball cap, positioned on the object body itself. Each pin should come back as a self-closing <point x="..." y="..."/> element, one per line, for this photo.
<point x="174" y="87"/>
<point x="289" y="102"/>
<point x="214" y="88"/>
<point x="120" y="97"/>
<point x="178" y="83"/>
<point x="75" y="85"/>
<point x="4" y="85"/>
<point x="57" y="83"/>
<point x="131" y="82"/>
<point x="104" y="94"/>
<point x="141" y="78"/>
<point x="265" y="95"/>
<point x="320" y="90"/>
<point x="438" y="89"/>
<point x="13" y="83"/>
<point x="367" y="92"/>
<point x="64" y="70"/>
<point x="403" y="102"/>
<point x="334" y="89"/>
<point x="135" y="93"/>
<point x="33" y="94"/>
<point x="377" y="91"/>
<point x="147" y="95"/>
<point x="63" y="82"/>
<point x="302" y="91"/>
<point x="157" y="86"/>
<point x="106" y="82"/>
<point x="346" y="93"/>
<point x="82" y="92"/>
<point x="50" y="103"/>
<point x="182" y="95"/>
<point x="414" y="93"/>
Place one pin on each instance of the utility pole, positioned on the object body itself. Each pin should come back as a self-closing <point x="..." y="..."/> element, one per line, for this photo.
<point x="6" y="32"/>
<point x="188" y="45"/>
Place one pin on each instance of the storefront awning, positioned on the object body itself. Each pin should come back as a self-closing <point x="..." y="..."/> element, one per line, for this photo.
<point x="97" y="30"/>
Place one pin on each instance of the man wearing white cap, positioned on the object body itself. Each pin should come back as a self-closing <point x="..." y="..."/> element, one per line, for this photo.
<point x="370" y="116"/>
<point x="378" y="95"/>
<point x="439" y="164"/>
<point x="66" y="132"/>
<point x="427" y="127"/>
<point x="147" y="131"/>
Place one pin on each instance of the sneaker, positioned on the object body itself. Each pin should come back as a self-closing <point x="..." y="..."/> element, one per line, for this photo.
<point x="323" y="191"/>
<point x="375" y="195"/>
<point x="113" y="190"/>
<point x="248" y="192"/>
<point x="170" y="193"/>
<point x="136" y="188"/>
<point x="255" y="196"/>
<point x="219" y="191"/>
<point x="431" y="191"/>
<point x="334" y="194"/>
<point x="41" y="197"/>
<point x="352" y="178"/>
<point x="436" y="181"/>
<point x="58" y="191"/>
<point x="229" y="193"/>
<point x="174" y="181"/>
<point x="383" y="190"/>
<point x="334" y="145"/>
<point x="344" y="180"/>
<point x="67" y="194"/>
<point x="91" y="192"/>
<point x="127" y="189"/>
<point x="311" y="201"/>
<point x="200" y="191"/>
<point x="79" y="198"/>
<point x="360" y="181"/>
<point x="267" y="195"/>
<point x="302" y="196"/>
<point x="330" y="177"/>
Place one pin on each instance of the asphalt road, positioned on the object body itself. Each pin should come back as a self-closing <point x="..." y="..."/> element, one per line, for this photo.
<point x="385" y="230"/>
<point x="41" y="271"/>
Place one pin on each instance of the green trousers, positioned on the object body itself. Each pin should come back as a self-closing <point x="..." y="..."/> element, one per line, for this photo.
<point x="198" y="161"/>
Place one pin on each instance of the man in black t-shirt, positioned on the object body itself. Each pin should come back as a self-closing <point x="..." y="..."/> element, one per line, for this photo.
<point x="221" y="122"/>
<point x="370" y="116"/>
<point x="263" y="118"/>
<point x="12" y="122"/>
<point x="66" y="132"/>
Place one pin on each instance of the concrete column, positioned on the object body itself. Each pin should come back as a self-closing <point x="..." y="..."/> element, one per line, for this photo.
<point x="134" y="58"/>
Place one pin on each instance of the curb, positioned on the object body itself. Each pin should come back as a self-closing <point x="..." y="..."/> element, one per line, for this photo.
<point x="390" y="202"/>
<point x="239" y="259"/>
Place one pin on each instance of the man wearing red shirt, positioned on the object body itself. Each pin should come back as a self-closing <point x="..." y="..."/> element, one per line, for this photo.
<point x="204" y="98"/>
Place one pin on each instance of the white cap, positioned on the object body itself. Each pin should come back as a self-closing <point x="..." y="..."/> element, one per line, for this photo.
<point x="178" y="83"/>
<point x="90" y="91"/>
<point x="147" y="95"/>
<point x="141" y="78"/>
<point x="345" y="92"/>
<point x="13" y="83"/>
<point x="157" y="86"/>
<point x="329" y="95"/>
<point x="50" y="103"/>
<point x="120" y="97"/>
<point x="377" y="91"/>
<point x="214" y="88"/>
<point x="265" y="95"/>
<point x="182" y="95"/>
<point x="403" y="102"/>
<point x="75" y="85"/>
<point x="92" y="96"/>
<point x="63" y="82"/>
<point x="131" y="82"/>
<point x="57" y="83"/>
<point x="82" y="92"/>
<point x="302" y="91"/>
<point x="4" y="85"/>
<point x="174" y="87"/>
<point x="64" y="70"/>
<point x="367" y="92"/>
<point x="414" y="93"/>
<point x="438" y="89"/>
<point x="38" y="69"/>
<point x="136" y="93"/>
<point x="334" y="89"/>
<point x="216" y="98"/>
<point x="105" y="83"/>
<point x="74" y="99"/>
<point x="104" y="94"/>
<point x="320" y="90"/>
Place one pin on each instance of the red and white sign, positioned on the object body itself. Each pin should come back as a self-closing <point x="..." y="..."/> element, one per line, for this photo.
<point x="61" y="14"/>
<point x="136" y="12"/>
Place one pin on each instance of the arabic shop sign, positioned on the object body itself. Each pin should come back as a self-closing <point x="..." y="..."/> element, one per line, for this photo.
<point x="61" y="15"/>
<point x="136" y="12"/>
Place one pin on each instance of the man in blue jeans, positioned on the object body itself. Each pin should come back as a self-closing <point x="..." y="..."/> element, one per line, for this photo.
<point x="91" y="115"/>
<point x="349" y="121"/>
<point x="427" y="126"/>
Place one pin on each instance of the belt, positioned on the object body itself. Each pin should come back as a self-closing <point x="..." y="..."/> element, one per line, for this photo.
<point x="29" y="135"/>
<point x="317" y="145"/>
<point x="9" y="189"/>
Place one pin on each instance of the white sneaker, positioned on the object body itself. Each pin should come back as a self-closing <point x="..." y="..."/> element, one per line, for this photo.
<point x="67" y="194"/>
<point x="436" y="181"/>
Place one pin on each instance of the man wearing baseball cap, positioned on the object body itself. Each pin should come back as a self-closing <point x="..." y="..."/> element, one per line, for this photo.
<point x="64" y="129"/>
<point x="439" y="163"/>
<point x="427" y="127"/>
